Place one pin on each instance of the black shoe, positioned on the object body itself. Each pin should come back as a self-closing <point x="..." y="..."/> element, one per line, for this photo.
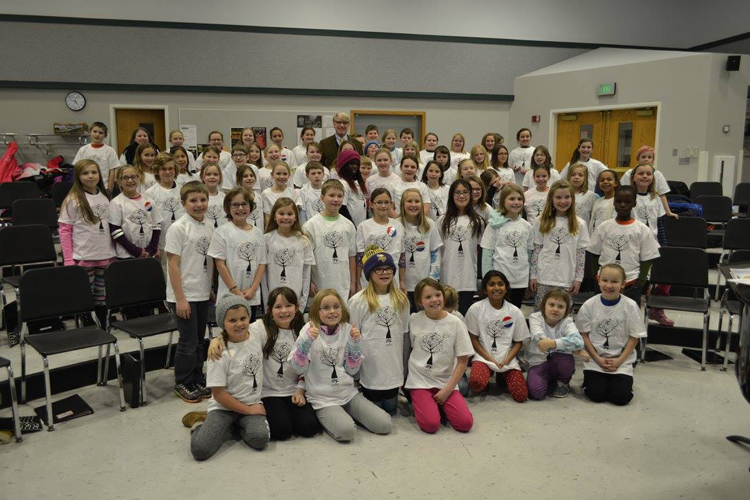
<point x="188" y="393"/>
<point x="204" y="391"/>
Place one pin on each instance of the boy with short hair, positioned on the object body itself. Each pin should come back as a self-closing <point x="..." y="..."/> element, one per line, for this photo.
<point x="189" y="289"/>
<point x="104" y="155"/>
<point x="372" y="133"/>
<point x="309" y="199"/>
<point x="333" y="238"/>
<point x="240" y="155"/>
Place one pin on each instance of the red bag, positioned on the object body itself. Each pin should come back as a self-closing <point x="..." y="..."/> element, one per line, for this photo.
<point x="8" y="163"/>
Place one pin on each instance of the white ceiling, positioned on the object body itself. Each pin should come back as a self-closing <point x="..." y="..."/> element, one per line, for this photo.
<point x="677" y="24"/>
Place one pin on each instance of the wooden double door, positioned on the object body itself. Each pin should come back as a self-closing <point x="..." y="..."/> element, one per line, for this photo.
<point x="617" y="134"/>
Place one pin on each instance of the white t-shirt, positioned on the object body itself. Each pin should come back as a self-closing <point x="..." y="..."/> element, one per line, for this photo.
<point x="286" y="258"/>
<point x="270" y="197"/>
<point x="183" y="179"/>
<point x="355" y="202"/>
<point x="459" y="260"/>
<point x="594" y="168"/>
<point x="300" y="155"/>
<point x="224" y="158"/>
<point x="167" y="202"/>
<point x="190" y="239"/>
<point x="510" y="244"/>
<point x="90" y="241"/>
<point x="382" y="342"/>
<point x="507" y="175"/>
<point x="397" y="154"/>
<point x="104" y="156"/>
<point x="438" y="200"/>
<point x="326" y="380"/>
<point x="264" y="180"/>
<point x="557" y="259"/>
<point x="309" y="202"/>
<point x="256" y="216"/>
<point x="539" y="329"/>
<point x="377" y="181"/>
<point x="610" y="328"/>
<point x="279" y="377"/>
<point x="534" y="203"/>
<point x="585" y="205"/>
<point x="603" y="209"/>
<point x="215" y="212"/>
<point x="138" y="219"/>
<point x="426" y="156"/>
<point x="528" y="178"/>
<point x="660" y="182"/>
<point x="648" y="209"/>
<point x="242" y="251"/>
<point x="418" y="248"/>
<point x="449" y="175"/>
<point x="289" y="158"/>
<point x="300" y="175"/>
<point x="229" y="177"/>
<point x="403" y="186"/>
<point x="456" y="158"/>
<point x="333" y="243"/>
<point x="389" y="237"/>
<point x="521" y="157"/>
<point x="626" y="244"/>
<point x="436" y="345"/>
<point x="497" y="330"/>
<point x="240" y="371"/>
<point x="148" y="180"/>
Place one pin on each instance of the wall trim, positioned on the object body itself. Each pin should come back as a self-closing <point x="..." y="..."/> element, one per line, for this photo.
<point x="127" y="87"/>
<point x="718" y="43"/>
<point x="319" y="32"/>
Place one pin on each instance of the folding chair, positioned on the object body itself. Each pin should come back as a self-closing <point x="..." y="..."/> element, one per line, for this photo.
<point x="133" y="282"/>
<point x="23" y="245"/>
<point x="38" y="211"/>
<point x="678" y="188"/>
<point x="59" y="191"/>
<point x="705" y="189"/>
<point x="5" y="363"/>
<point x="741" y="197"/>
<point x="12" y="191"/>
<point x="686" y="232"/>
<point x="681" y="267"/>
<point x="731" y="305"/>
<point x="717" y="210"/>
<point x="736" y="237"/>
<point x="53" y="293"/>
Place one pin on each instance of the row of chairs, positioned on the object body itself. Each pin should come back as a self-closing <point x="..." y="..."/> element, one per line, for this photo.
<point x="740" y="199"/>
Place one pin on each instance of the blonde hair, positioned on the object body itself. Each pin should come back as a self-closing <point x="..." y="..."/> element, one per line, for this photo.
<point x="399" y="300"/>
<point x="450" y="298"/>
<point x="423" y="224"/>
<point x="413" y="144"/>
<point x="121" y="172"/>
<point x="651" y="190"/>
<point x="547" y="219"/>
<point x="161" y="160"/>
<point x="476" y="149"/>
<point x="315" y="306"/>
<point x="576" y="166"/>
<point x="137" y="163"/>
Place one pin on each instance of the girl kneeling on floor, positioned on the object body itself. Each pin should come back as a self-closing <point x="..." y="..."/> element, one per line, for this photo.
<point x="236" y="383"/>
<point x="328" y="352"/>
<point x="440" y="353"/>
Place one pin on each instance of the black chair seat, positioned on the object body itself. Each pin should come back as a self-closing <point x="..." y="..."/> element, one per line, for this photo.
<point x="717" y="232"/>
<point x="733" y="306"/>
<point x="48" y="344"/>
<point x="4" y="362"/>
<point x="687" y="304"/>
<point x="147" y="326"/>
<point x="582" y="297"/>
<point x="12" y="281"/>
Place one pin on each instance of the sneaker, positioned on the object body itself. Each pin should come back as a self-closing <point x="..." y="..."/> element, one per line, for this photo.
<point x="561" y="391"/>
<point x="188" y="393"/>
<point x="659" y="316"/>
<point x="193" y="417"/>
<point x="204" y="391"/>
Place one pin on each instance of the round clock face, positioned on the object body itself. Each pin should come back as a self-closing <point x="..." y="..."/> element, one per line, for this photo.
<point x="75" y="101"/>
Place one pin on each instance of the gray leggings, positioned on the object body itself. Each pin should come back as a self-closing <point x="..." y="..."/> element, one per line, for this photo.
<point x="206" y="440"/>
<point x="338" y="421"/>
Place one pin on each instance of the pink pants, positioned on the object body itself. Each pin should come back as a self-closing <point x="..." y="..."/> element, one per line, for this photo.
<point x="427" y="411"/>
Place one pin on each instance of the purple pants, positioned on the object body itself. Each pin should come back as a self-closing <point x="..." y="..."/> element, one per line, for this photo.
<point x="559" y="367"/>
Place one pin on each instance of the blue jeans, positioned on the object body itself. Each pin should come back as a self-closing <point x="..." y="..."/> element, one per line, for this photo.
<point x="188" y="357"/>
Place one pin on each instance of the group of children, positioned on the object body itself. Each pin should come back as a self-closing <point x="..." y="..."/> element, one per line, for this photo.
<point x="365" y="248"/>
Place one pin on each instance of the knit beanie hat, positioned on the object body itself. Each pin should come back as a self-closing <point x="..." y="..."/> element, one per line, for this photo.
<point x="346" y="157"/>
<point x="368" y="145"/>
<point x="226" y="303"/>
<point x="375" y="257"/>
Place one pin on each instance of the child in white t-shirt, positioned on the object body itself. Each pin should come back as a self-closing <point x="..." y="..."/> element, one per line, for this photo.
<point x="381" y="311"/>
<point x="535" y="199"/>
<point x="280" y="189"/>
<point x="211" y="175"/>
<point x="247" y="178"/>
<point x="300" y="179"/>
<point x="177" y="140"/>
<point x="306" y="137"/>
<point x="604" y="207"/>
<point x="272" y="155"/>
<point x="521" y="157"/>
<point x="328" y="352"/>
<point x="182" y="165"/>
<point x="134" y="222"/>
<point x="239" y="250"/>
<point x="611" y="325"/>
<point x="645" y="156"/>
<point x="497" y="330"/>
<point x="166" y="197"/>
<point x="236" y="384"/>
<point x="240" y="154"/>
<point x="286" y="155"/>
<point x="578" y="178"/>
<point x="308" y="199"/>
<point x="103" y="154"/>
<point x="384" y="177"/>
<point x="437" y="189"/>
<point x="582" y="154"/>
<point x="541" y="157"/>
<point x="440" y="352"/>
<point x="145" y="155"/>
<point x="410" y="180"/>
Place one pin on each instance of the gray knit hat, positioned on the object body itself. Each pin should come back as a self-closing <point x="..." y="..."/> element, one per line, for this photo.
<point x="226" y="303"/>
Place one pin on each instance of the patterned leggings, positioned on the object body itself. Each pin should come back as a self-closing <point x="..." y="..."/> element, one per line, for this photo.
<point x="480" y="378"/>
<point x="96" y="280"/>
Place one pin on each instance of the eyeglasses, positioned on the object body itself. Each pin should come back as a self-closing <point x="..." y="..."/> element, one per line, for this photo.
<point x="337" y="122"/>
<point x="238" y="155"/>
<point x="239" y="205"/>
<point x="128" y="178"/>
<point x="460" y="193"/>
<point x="383" y="270"/>
<point x="476" y="190"/>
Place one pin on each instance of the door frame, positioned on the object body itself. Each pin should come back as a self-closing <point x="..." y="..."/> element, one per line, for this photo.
<point x="554" y="112"/>
<point x="113" y="119"/>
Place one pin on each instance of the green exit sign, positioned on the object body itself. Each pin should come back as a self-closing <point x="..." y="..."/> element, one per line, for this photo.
<point x="606" y="89"/>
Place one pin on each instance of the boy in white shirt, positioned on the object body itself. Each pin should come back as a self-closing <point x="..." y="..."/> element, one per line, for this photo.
<point x="309" y="198"/>
<point x="104" y="155"/>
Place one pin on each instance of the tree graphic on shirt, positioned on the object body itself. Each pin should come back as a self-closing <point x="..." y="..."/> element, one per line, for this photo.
<point x="538" y="206"/>
<point x="280" y="353"/>
<point x="317" y="206"/>
<point x="201" y="246"/>
<point x="246" y="251"/>
<point x="383" y="241"/>
<point x="559" y="235"/>
<point x="334" y="239"/>
<point x="459" y="234"/>
<point x="644" y="214"/>
<point x="139" y="217"/>
<point x="514" y="239"/>
<point x="433" y="343"/>
<point x="411" y="245"/>
<point x="386" y="317"/>
<point x="171" y="204"/>
<point x="618" y="243"/>
<point x="605" y="328"/>
<point x="329" y="356"/>
<point x="251" y="367"/>
<point x="436" y="201"/>
<point x="284" y="258"/>
<point x="215" y="212"/>
<point x="101" y="212"/>
<point x="495" y="329"/>
<point x="255" y="217"/>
